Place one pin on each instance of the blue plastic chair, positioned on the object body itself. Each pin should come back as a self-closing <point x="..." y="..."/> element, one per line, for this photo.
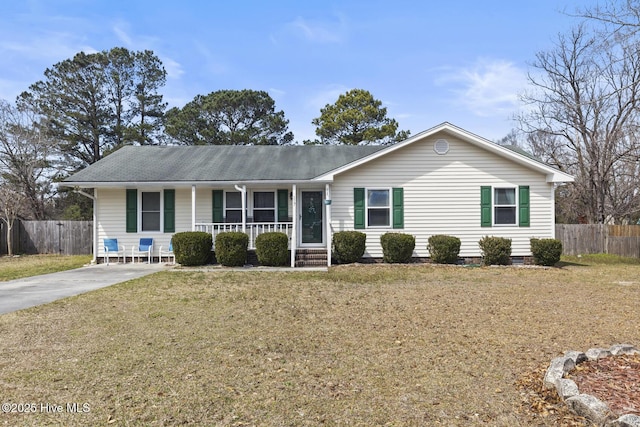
<point x="144" y="249"/>
<point x="111" y="247"/>
<point x="168" y="254"/>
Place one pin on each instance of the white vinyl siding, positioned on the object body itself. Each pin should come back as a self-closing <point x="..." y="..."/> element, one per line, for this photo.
<point x="111" y="208"/>
<point x="442" y="195"/>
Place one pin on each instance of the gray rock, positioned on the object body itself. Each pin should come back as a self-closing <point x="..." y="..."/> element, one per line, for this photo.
<point x="557" y="368"/>
<point x="590" y="407"/>
<point x="628" y="420"/>
<point x="618" y="349"/>
<point x="577" y="356"/>
<point x="566" y="388"/>
<point x="597" y="353"/>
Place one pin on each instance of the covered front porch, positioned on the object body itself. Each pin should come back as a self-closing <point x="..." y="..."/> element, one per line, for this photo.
<point x="303" y="213"/>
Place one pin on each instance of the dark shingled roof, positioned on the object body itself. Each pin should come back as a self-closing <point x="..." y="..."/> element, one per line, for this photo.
<point x="219" y="163"/>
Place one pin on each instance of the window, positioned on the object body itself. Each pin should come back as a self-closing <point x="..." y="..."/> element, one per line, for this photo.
<point x="264" y="206"/>
<point x="150" y="211"/>
<point x="504" y="206"/>
<point x="233" y="206"/>
<point x="378" y="208"/>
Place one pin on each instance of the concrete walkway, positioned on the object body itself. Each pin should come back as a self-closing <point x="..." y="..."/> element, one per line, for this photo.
<point x="31" y="291"/>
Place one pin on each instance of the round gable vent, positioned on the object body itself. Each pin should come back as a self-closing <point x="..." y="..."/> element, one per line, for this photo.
<point x="441" y="146"/>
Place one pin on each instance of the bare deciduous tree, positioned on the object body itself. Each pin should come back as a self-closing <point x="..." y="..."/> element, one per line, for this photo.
<point x="584" y="119"/>
<point x="25" y="158"/>
<point x="11" y="205"/>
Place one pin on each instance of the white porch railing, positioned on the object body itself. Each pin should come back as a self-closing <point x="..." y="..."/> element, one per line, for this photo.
<point x="253" y="229"/>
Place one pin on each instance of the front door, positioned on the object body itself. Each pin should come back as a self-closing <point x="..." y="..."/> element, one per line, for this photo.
<point x="311" y="215"/>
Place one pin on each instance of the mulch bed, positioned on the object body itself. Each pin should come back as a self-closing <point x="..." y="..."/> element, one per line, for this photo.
<point x="615" y="380"/>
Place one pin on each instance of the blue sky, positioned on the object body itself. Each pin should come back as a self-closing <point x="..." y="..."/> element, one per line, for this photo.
<point x="464" y="62"/>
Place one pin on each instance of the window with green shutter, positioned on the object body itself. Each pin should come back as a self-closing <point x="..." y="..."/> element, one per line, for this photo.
<point x="358" y="208"/>
<point x="485" y="206"/>
<point x="523" y="206"/>
<point x="378" y="207"/>
<point x="217" y="207"/>
<point x="169" y="211"/>
<point x="504" y="206"/>
<point x="398" y="208"/>
<point x="132" y="211"/>
<point x="283" y="205"/>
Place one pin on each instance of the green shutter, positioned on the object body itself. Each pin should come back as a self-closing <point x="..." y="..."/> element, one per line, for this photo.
<point x="283" y="205"/>
<point x="358" y="208"/>
<point x="398" y="208"/>
<point x="523" y="205"/>
<point x="218" y="207"/>
<point x="485" y="206"/>
<point x="169" y="211"/>
<point x="132" y="211"/>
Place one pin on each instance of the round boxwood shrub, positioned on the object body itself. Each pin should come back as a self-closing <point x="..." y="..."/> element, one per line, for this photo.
<point x="348" y="246"/>
<point x="231" y="248"/>
<point x="495" y="250"/>
<point x="546" y="251"/>
<point x="272" y="248"/>
<point x="192" y="247"/>
<point x="444" y="249"/>
<point x="397" y="247"/>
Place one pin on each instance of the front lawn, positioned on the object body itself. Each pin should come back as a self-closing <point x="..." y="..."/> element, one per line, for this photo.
<point x="17" y="267"/>
<point x="359" y="345"/>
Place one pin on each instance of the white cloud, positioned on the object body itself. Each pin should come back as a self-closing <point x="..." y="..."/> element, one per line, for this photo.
<point x="317" y="31"/>
<point x="328" y="95"/>
<point x="486" y="88"/>
<point x="174" y="69"/>
<point x="121" y="29"/>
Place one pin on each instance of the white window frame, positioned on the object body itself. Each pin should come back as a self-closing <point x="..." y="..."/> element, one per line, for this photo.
<point x="226" y="208"/>
<point x="274" y="208"/>
<point x="389" y="206"/>
<point x="140" y="211"/>
<point x="495" y="206"/>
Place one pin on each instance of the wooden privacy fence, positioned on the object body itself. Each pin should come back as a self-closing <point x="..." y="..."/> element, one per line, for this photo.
<point x="49" y="237"/>
<point x="623" y="240"/>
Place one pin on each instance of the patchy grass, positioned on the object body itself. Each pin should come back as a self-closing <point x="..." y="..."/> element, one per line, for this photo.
<point x="17" y="267"/>
<point x="359" y="345"/>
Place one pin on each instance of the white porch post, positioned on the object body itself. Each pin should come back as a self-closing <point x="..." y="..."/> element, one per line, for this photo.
<point x="327" y="197"/>
<point x="243" y="191"/>
<point x="294" y="218"/>
<point x="95" y="226"/>
<point x="193" y="207"/>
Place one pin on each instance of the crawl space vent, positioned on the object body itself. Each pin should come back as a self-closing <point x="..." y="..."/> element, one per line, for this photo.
<point x="441" y="146"/>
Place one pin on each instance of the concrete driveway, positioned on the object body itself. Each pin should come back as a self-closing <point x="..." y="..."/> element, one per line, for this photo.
<point x="31" y="291"/>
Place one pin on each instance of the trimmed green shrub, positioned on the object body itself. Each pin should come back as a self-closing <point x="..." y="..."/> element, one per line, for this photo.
<point x="546" y="251"/>
<point x="495" y="250"/>
<point x="348" y="246"/>
<point x="397" y="247"/>
<point x="444" y="249"/>
<point x="272" y="248"/>
<point x="192" y="247"/>
<point x="231" y="248"/>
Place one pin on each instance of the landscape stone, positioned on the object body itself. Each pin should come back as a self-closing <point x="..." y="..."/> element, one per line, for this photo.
<point x="628" y="420"/>
<point x="590" y="407"/>
<point x="618" y="349"/>
<point x="557" y="368"/>
<point x="566" y="388"/>
<point x="577" y="356"/>
<point x="597" y="353"/>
